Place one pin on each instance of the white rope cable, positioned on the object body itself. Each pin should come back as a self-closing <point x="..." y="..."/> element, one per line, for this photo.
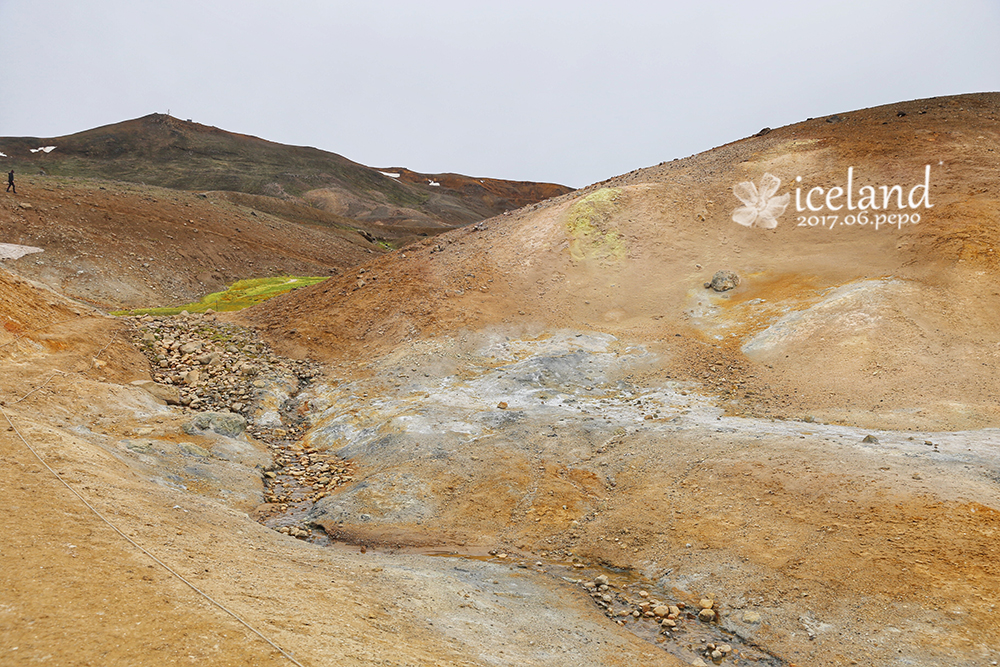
<point x="126" y="537"/>
<point x="47" y="380"/>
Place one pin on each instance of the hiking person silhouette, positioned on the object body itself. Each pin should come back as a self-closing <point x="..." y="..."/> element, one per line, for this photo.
<point x="10" y="181"/>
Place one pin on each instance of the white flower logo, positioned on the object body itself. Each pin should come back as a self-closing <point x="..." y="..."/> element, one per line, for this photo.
<point x="762" y="207"/>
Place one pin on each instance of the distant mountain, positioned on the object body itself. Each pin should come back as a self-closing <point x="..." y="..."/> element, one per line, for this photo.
<point x="390" y="204"/>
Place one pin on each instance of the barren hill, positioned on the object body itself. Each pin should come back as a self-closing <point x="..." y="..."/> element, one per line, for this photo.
<point x="813" y="452"/>
<point x="889" y="326"/>
<point x="167" y="152"/>
<point x="158" y="211"/>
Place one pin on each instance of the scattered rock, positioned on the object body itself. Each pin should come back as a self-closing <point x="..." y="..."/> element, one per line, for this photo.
<point x="706" y="615"/>
<point x="870" y="439"/>
<point x="723" y="281"/>
<point x="751" y="617"/>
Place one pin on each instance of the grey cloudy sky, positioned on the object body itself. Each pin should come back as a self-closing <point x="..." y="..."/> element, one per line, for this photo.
<point x="569" y="92"/>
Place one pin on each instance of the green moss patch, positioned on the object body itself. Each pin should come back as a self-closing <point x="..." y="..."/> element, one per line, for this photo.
<point x="240" y="295"/>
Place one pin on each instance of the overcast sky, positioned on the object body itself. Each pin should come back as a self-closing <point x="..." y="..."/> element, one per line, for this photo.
<point x="570" y="92"/>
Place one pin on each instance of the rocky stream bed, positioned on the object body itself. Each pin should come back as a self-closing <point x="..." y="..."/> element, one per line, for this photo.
<point x="224" y="374"/>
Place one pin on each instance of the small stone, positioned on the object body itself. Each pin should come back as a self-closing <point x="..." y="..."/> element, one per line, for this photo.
<point x="169" y="395"/>
<point x="723" y="281"/>
<point x="502" y="405"/>
<point x="139" y="446"/>
<point x="705" y="603"/>
<point x="601" y="580"/>
<point x="871" y="439"/>
<point x="717" y="655"/>
<point x="698" y="662"/>
<point x="706" y="615"/>
<point x="227" y="424"/>
<point x="669" y="623"/>
<point x="724" y="649"/>
<point x="189" y="348"/>
<point x="661" y="611"/>
<point x="192" y="449"/>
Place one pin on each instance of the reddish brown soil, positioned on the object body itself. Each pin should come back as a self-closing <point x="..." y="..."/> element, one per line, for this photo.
<point x="121" y="246"/>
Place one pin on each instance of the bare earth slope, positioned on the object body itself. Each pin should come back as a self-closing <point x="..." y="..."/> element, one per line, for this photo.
<point x="75" y="592"/>
<point x="816" y="449"/>
<point x="118" y="245"/>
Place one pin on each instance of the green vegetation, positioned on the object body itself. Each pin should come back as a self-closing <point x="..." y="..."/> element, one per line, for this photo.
<point x="240" y="295"/>
<point x="592" y="234"/>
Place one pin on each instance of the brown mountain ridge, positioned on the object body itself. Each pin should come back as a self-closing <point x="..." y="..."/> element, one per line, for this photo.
<point x="168" y="152"/>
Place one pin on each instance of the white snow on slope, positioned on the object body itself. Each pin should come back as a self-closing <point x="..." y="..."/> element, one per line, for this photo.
<point x="385" y="173"/>
<point x="11" y="251"/>
<point x="43" y="149"/>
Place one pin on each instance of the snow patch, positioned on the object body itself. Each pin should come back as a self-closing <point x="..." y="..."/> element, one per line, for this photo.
<point x="43" y="149"/>
<point x="11" y="251"/>
<point x="386" y="173"/>
<point x="434" y="183"/>
<point x="3" y="155"/>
